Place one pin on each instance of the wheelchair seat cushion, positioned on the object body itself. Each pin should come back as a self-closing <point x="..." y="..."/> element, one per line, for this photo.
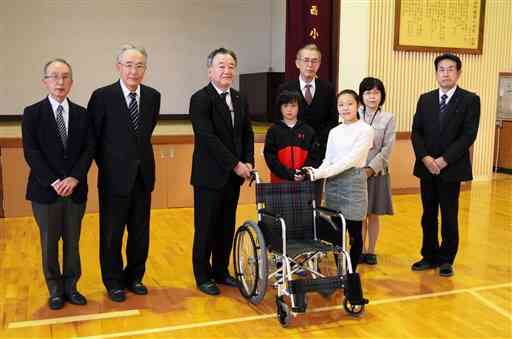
<point x="297" y="247"/>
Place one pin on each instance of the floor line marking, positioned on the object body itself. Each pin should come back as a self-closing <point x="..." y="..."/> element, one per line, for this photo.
<point x="63" y="320"/>
<point x="267" y="316"/>
<point x="491" y="287"/>
<point x="492" y="305"/>
<point x="181" y="327"/>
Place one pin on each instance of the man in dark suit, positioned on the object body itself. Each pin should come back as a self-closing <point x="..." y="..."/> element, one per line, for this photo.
<point x="317" y="105"/>
<point x="444" y="128"/>
<point x="124" y="116"/>
<point x="58" y="145"/>
<point x="223" y="157"/>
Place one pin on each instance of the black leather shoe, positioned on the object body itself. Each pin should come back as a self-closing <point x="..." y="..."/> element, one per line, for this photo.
<point x="117" y="295"/>
<point x="446" y="270"/>
<point x="228" y="281"/>
<point x="138" y="288"/>
<point x="56" y="303"/>
<point x="370" y="259"/>
<point x="76" y="298"/>
<point x="423" y="265"/>
<point x="209" y="288"/>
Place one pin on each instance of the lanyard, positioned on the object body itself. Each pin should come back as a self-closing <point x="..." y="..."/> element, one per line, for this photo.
<point x="373" y="118"/>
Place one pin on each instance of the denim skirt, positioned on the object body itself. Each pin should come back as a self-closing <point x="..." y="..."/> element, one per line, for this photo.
<point x="347" y="192"/>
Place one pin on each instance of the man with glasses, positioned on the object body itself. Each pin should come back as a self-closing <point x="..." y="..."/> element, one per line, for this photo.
<point x="58" y="144"/>
<point x="124" y="116"/>
<point x="444" y="128"/>
<point x="317" y="105"/>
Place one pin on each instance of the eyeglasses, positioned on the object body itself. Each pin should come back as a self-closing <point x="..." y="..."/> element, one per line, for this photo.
<point x="308" y="60"/>
<point x="372" y="92"/>
<point x="137" y="67"/>
<point x="56" y="77"/>
<point x="447" y="70"/>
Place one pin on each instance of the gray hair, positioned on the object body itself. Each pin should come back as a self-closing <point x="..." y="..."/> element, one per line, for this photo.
<point x="309" y="47"/>
<point x="62" y="61"/>
<point x="221" y="50"/>
<point x="131" y="47"/>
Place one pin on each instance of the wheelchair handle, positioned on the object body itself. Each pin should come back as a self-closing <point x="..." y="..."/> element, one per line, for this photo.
<point x="305" y="172"/>
<point x="255" y="176"/>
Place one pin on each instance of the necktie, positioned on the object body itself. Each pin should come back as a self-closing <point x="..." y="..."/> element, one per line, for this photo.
<point x="443" y="106"/>
<point x="62" y="126"/>
<point x="307" y="94"/>
<point x="223" y="95"/>
<point x="133" y="110"/>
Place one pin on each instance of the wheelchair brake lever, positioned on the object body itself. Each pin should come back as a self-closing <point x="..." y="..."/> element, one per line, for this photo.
<point x="328" y="218"/>
<point x="253" y="177"/>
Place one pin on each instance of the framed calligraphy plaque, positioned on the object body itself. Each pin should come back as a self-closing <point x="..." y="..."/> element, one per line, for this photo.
<point x="439" y="25"/>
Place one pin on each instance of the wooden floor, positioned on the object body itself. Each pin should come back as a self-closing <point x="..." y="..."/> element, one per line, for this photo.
<point x="475" y="303"/>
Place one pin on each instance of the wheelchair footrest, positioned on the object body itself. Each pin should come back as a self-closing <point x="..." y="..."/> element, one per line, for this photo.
<point x="315" y="285"/>
<point x="299" y="288"/>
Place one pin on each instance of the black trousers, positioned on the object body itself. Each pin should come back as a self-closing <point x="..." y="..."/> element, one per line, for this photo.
<point x="437" y="194"/>
<point x="60" y="220"/>
<point x="117" y="213"/>
<point x="214" y="227"/>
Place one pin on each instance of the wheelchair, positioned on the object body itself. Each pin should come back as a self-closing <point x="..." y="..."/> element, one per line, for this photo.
<point x="289" y="246"/>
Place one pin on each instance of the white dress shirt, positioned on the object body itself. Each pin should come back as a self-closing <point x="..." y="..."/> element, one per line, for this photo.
<point x="126" y="94"/>
<point x="65" y="114"/>
<point x="65" y="110"/>
<point x="228" y="101"/>
<point x="449" y="94"/>
<point x="303" y="87"/>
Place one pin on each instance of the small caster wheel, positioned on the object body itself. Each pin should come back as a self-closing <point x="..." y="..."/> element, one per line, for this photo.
<point x="353" y="310"/>
<point x="284" y="316"/>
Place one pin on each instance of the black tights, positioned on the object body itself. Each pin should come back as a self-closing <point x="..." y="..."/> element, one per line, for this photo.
<point x="356" y="241"/>
<point x="354" y="229"/>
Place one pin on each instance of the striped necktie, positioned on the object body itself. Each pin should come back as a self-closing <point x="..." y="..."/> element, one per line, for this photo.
<point x="61" y="125"/>
<point x="443" y="106"/>
<point x="133" y="110"/>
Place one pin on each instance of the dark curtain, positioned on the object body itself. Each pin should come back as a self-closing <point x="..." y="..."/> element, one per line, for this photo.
<point x="312" y="21"/>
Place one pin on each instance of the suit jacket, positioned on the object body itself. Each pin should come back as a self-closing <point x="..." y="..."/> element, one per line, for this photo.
<point x="451" y="141"/>
<point x="383" y="124"/>
<point x="322" y="114"/>
<point x="46" y="156"/>
<point x="218" y="146"/>
<point x="121" y="152"/>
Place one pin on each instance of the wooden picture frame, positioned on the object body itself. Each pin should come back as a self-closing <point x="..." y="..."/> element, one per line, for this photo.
<point x="439" y="26"/>
<point x="504" y="105"/>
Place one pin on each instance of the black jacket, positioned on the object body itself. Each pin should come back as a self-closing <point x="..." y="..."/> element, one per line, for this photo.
<point x="287" y="149"/>
<point x="218" y="146"/>
<point x="453" y="140"/>
<point x="120" y="152"/>
<point x="45" y="153"/>
<point x="322" y="114"/>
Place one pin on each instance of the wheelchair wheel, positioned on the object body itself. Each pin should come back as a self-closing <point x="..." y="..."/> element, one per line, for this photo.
<point x="251" y="262"/>
<point x="353" y="310"/>
<point x="284" y="316"/>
